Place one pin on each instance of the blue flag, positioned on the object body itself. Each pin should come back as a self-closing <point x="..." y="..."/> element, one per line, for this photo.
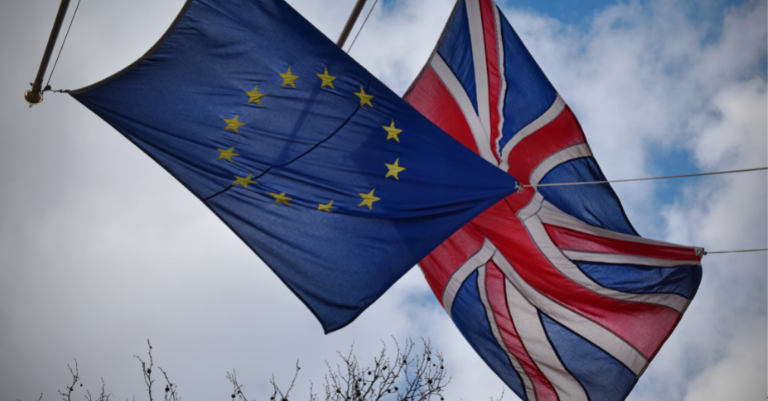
<point x="334" y="181"/>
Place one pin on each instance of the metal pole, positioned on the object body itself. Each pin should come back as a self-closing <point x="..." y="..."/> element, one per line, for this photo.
<point x="350" y="22"/>
<point x="34" y="95"/>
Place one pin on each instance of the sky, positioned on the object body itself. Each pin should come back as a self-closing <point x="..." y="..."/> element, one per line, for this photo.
<point x="100" y="249"/>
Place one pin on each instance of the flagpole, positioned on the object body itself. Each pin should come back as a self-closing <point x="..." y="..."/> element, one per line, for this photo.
<point x="34" y="95"/>
<point x="350" y="22"/>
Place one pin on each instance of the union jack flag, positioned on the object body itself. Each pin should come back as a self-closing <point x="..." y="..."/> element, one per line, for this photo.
<point x="552" y="286"/>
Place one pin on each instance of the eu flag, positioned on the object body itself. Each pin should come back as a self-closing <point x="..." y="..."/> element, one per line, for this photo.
<point x="334" y="181"/>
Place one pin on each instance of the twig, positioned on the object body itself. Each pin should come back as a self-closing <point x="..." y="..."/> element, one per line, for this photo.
<point x="147" y="371"/>
<point x="75" y="378"/>
<point x="237" y="387"/>
<point x="170" y="388"/>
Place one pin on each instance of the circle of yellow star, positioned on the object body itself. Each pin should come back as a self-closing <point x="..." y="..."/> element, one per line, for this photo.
<point x="394" y="169"/>
<point x="227" y="154"/>
<point x="244" y="181"/>
<point x="368" y="199"/>
<point x="255" y="96"/>
<point x="364" y="97"/>
<point x="233" y="124"/>
<point x="281" y="198"/>
<point x="326" y="207"/>
<point x="392" y="131"/>
<point x="289" y="78"/>
<point x="327" y="79"/>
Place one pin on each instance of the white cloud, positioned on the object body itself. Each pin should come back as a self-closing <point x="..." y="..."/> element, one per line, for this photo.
<point x="732" y="133"/>
<point x="744" y="362"/>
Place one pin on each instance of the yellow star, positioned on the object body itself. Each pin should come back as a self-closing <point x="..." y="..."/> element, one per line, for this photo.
<point x="392" y="131"/>
<point x="394" y="169"/>
<point x="288" y="78"/>
<point x="327" y="207"/>
<point x="364" y="97"/>
<point x="244" y="181"/>
<point x="255" y="96"/>
<point x="327" y="79"/>
<point x="233" y="124"/>
<point x="281" y="198"/>
<point x="368" y="199"/>
<point x="227" y="154"/>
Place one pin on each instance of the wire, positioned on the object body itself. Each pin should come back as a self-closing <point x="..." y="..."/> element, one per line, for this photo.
<point x="742" y="250"/>
<point x="47" y="86"/>
<point x="643" y="179"/>
<point x="361" y="26"/>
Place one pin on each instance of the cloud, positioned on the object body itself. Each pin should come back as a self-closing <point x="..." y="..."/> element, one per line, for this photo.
<point x="744" y="362"/>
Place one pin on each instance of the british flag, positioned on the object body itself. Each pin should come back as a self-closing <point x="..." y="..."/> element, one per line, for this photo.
<point x="553" y="287"/>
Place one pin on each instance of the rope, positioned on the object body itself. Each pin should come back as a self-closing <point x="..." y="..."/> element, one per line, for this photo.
<point x="643" y="179"/>
<point x="47" y="84"/>
<point x="742" y="250"/>
<point x="361" y="26"/>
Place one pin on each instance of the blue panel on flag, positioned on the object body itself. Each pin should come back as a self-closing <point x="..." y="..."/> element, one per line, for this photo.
<point x="456" y="50"/>
<point x="469" y="316"/>
<point x="603" y="377"/>
<point x="337" y="183"/>
<point x="593" y="204"/>
<point x="529" y="93"/>
<point x="681" y="280"/>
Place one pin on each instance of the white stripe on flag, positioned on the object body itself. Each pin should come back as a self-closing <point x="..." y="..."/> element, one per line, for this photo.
<point x="480" y="258"/>
<point x="554" y="110"/>
<point x="534" y="338"/>
<point x="558" y="158"/>
<point x="477" y="38"/>
<point x="482" y="289"/>
<point x="624" y="259"/>
<point x="550" y="214"/>
<point x="456" y="89"/>
<point x="561" y="261"/>
<point x="502" y="78"/>
<point x="590" y="330"/>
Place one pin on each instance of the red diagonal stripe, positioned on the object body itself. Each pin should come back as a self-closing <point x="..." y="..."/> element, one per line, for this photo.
<point x="440" y="264"/>
<point x="562" y="132"/>
<point x="645" y="326"/>
<point x="432" y="99"/>
<point x="574" y="240"/>
<point x="492" y="61"/>
<point x="497" y="297"/>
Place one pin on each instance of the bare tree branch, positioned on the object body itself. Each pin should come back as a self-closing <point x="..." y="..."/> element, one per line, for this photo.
<point x="147" y="370"/>
<point x="399" y="375"/>
<point x="75" y="378"/>
<point x="103" y="395"/>
<point x="170" y="388"/>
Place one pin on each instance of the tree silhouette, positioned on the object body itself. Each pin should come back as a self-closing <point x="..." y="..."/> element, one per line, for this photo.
<point x="401" y="375"/>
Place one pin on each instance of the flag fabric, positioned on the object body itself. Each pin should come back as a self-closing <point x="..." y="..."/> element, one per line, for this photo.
<point x="552" y="287"/>
<point x="333" y="180"/>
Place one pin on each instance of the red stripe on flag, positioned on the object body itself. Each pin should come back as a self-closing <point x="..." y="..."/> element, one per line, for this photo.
<point x="562" y="132"/>
<point x="432" y="99"/>
<point x="440" y="264"/>
<point x="645" y="326"/>
<point x="494" y="78"/>
<point x="497" y="298"/>
<point x="574" y="240"/>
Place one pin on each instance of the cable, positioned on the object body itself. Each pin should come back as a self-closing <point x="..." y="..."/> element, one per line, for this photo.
<point x="47" y="84"/>
<point x="742" y="250"/>
<point x="361" y="26"/>
<point x="642" y="179"/>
